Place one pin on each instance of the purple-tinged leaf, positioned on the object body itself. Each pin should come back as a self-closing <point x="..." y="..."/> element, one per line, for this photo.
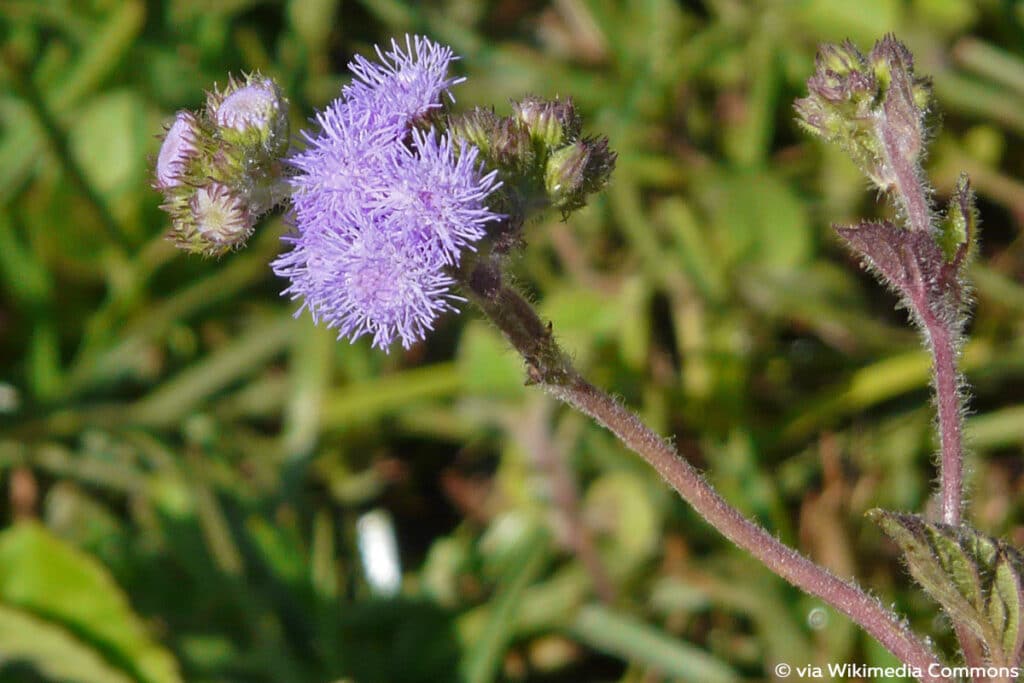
<point x="912" y="265"/>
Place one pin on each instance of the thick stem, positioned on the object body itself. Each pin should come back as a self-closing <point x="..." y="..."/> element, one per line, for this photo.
<point x="549" y="366"/>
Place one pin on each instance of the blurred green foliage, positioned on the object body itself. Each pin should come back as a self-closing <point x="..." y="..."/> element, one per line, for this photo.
<point x="184" y="464"/>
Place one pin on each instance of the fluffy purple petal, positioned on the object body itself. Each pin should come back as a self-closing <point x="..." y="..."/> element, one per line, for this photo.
<point x="406" y="84"/>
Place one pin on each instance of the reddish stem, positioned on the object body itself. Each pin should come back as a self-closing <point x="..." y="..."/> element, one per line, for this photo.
<point x="548" y="365"/>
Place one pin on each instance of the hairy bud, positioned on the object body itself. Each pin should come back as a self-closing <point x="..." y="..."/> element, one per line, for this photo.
<point x="872" y="106"/>
<point x="221" y="168"/>
<point x="576" y="171"/>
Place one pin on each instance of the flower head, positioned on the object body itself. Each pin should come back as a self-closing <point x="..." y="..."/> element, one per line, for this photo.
<point x="364" y="279"/>
<point x="435" y="195"/>
<point x="872" y="106"/>
<point x="341" y="167"/>
<point x="220" y="169"/>
<point x="380" y="211"/>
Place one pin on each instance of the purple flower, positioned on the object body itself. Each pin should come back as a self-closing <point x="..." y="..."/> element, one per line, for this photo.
<point x="406" y="85"/>
<point x="364" y="279"/>
<point x="340" y="168"/>
<point x="380" y="212"/>
<point x="435" y="195"/>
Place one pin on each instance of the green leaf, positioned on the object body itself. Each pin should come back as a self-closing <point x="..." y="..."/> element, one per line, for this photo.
<point x="51" y="650"/>
<point x="1005" y="600"/>
<point x="483" y="655"/>
<point x="42" y="575"/>
<point x="757" y="217"/>
<point x="975" y="578"/>
<point x="619" y="504"/>
<point x="635" y="641"/>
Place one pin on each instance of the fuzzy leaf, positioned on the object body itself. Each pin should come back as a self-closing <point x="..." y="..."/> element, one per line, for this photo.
<point x="960" y="568"/>
<point x="1005" y="601"/>
<point x="879" y="243"/>
<point x="911" y="263"/>
<point x="935" y="571"/>
<point x="976" y="579"/>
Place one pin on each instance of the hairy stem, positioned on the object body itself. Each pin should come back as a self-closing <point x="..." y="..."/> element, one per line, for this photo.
<point x="910" y="190"/>
<point x="943" y="337"/>
<point x="947" y="393"/>
<point x="912" y="194"/>
<point x="549" y="366"/>
<point x="942" y="341"/>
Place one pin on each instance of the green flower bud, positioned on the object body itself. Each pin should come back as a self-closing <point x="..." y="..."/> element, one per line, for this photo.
<point x="959" y="227"/>
<point x="551" y="123"/>
<point x="576" y="171"/>
<point x="476" y="127"/>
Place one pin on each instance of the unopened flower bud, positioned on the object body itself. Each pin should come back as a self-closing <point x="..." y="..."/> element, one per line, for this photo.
<point x="576" y="171"/>
<point x="214" y="221"/>
<point x="220" y="169"/>
<point x="551" y="123"/>
<point x="906" y="96"/>
<point x="180" y="146"/>
<point x="253" y="111"/>
<point x="477" y="127"/>
<point x="873" y="107"/>
<point x="959" y="227"/>
<point x="512" y="148"/>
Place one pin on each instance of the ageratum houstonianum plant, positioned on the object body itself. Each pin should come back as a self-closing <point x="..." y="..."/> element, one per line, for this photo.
<point x="403" y="210"/>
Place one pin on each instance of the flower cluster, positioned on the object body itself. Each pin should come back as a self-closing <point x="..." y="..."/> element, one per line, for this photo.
<point x="540" y="144"/>
<point x="873" y="106"/>
<point x="219" y="169"/>
<point x="383" y="205"/>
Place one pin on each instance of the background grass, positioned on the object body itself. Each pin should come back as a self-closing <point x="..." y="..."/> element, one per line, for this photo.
<point x="184" y="464"/>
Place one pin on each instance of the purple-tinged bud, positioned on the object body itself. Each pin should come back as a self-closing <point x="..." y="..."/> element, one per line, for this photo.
<point x="511" y="147"/>
<point x="221" y="216"/>
<point x="906" y="97"/>
<point x="220" y="169"/>
<point x="872" y="107"/>
<point x="180" y="146"/>
<point x="212" y="221"/>
<point x="251" y="112"/>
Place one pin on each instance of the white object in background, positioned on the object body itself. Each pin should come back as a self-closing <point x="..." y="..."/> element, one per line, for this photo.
<point x="378" y="549"/>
